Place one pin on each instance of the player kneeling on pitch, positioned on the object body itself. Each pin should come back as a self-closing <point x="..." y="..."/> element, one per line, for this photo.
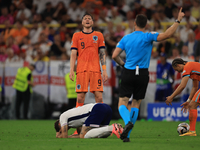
<point x="90" y="120"/>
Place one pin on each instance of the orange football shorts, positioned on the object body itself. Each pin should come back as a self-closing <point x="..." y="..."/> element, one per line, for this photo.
<point x="196" y="96"/>
<point x="84" y="79"/>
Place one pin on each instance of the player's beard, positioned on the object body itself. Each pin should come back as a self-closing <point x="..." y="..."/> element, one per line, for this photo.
<point x="88" y="27"/>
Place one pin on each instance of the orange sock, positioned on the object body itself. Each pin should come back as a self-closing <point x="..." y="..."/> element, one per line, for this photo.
<point x="192" y="119"/>
<point x="79" y="104"/>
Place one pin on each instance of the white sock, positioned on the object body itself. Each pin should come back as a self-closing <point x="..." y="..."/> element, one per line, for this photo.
<point x="100" y="132"/>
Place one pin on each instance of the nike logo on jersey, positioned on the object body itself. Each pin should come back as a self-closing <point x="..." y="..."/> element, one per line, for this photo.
<point x="81" y="38"/>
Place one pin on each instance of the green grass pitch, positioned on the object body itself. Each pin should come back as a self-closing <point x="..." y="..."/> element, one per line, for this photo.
<point x="40" y="135"/>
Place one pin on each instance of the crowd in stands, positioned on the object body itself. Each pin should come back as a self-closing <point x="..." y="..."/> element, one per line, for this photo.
<point x="33" y="30"/>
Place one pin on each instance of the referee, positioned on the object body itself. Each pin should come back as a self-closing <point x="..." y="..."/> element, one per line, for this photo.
<point x="135" y="76"/>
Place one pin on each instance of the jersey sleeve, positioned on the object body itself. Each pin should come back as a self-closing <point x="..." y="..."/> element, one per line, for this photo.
<point x="152" y="36"/>
<point x="187" y="70"/>
<point x="101" y="41"/>
<point x="63" y="120"/>
<point x="74" y="44"/>
<point x="120" y="44"/>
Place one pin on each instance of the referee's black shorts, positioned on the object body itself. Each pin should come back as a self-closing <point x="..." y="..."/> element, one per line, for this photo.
<point x="134" y="84"/>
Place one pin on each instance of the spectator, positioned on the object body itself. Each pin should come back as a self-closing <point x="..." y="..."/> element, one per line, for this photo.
<point x="2" y="43"/>
<point x="11" y="57"/>
<point x="108" y="9"/>
<point x="25" y="45"/>
<point x="119" y="31"/>
<point x="64" y="57"/>
<point x="157" y="26"/>
<point x="51" y="22"/>
<point x="51" y="34"/>
<point x="3" y="54"/>
<point x="139" y="9"/>
<point x="49" y="10"/>
<point x="164" y="47"/>
<point x="58" y="47"/>
<point x="162" y="15"/>
<point x="178" y="43"/>
<point x="23" y="57"/>
<point x="6" y="32"/>
<point x="130" y="28"/>
<point x="34" y="33"/>
<point x="197" y="32"/>
<point x="111" y="42"/>
<point x="175" y="53"/>
<point x="19" y="32"/>
<point x="102" y="19"/>
<point x="10" y="43"/>
<point x="191" y="43"/>
<point x="79" y="27"/>
<point x="5" y="16"/>
<point x="150" y="6"/>
<point x="13" y="11"/>
<point x="188" y="17"/>
<point x="155" y="16"/>
<point x="129" y="16"/>
<point x="37" y="18"/>
<point x="185" y="55"/>
<point x="40" y="56"/>
<point x="185" y="31"/>
<point x="68" y="44"/>
<point x="24" y="13"/>
<point x="116" y="19"/>
<point x="195" y="9"/>
<point x="74" y="12"/>
<point x="39" y="5"/>
<point x="165" y="78"/>
<point x="60" y="10"/>
<point x="62" y="32"/>
<point x="45" y="44"/>
<point x="66" y="19"/>
<point x="175" y="12"/>
<point x="169" y="7"/>
<point x="122" y="8"/>
<point x="44" y="28"/>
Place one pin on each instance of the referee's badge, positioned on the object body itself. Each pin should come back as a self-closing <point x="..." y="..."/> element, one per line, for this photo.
<point x="78" y="86"/>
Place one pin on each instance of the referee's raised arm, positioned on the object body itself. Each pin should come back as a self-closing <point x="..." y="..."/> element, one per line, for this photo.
<point x="171" y="30"/>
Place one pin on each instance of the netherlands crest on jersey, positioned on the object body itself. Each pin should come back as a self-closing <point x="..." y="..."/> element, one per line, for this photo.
<point x="95" y="38"/>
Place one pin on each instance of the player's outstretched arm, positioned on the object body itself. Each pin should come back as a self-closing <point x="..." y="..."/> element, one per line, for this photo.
<point x="171" y="30"/>
<point x="179" y="89"/>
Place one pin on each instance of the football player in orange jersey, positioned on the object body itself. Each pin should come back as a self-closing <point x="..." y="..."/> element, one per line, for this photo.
<point x="88" y="47"/>
<point x="189" y="70"/>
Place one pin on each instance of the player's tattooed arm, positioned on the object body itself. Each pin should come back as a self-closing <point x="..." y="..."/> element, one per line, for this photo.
<point x="64" y="131"/>
<point x="102" y="56"/>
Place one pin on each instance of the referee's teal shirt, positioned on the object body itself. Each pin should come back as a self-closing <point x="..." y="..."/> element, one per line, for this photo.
<point x="138" y="46"/>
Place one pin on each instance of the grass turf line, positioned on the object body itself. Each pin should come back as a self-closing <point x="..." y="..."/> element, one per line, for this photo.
<point x="40" y="135"/>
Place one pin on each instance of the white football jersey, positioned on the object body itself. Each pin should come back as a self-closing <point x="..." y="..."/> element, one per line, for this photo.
<point x="76" y="117"/>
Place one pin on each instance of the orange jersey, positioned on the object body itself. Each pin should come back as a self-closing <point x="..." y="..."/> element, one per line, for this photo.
<point x="192" y="69"/>
<point x="87" y="46"/>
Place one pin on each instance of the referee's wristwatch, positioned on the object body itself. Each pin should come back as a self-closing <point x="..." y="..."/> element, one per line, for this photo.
<point x="177" y="21"/>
